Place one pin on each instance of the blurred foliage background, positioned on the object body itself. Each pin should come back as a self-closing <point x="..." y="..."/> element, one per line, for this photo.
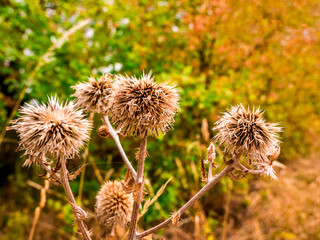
<point x="218" y="53"/>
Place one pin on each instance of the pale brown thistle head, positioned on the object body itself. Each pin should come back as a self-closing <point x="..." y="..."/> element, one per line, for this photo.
<point x="54" y="130"/>
<point x="141" y="107"/>
<point x="93" y="95"/>
<point x="114" y="204"/>
<point x="247" y="132"/>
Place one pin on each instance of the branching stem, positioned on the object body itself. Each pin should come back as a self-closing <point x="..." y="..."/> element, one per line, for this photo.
<point x="76" y="209"/>
<point x="199" y="194"/>
<point x="115" y="136"/>
<point x="240" y="167"/>
<point x="139" y="189"/>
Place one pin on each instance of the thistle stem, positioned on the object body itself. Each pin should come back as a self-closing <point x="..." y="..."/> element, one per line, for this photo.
<point x="199" y="194"/>
<point x="76" y="209"/>
<point x="240" y="167"/>
<point x="139" y="189"/>
<point x="115" y="137"/>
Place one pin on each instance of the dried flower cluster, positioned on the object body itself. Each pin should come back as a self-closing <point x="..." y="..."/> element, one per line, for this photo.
<point x="247" y="132"/>
<point x="94" y="94"/>
<point x="54" y="130"/>
<point x="141" y="106"/>
<point x="114" y="204"/>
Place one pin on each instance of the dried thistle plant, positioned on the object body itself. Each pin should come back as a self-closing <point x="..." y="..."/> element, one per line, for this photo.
<point x="93" y="95"/>
<point x="114" y="204"/>
<point x="247" y="132"/>
<point x="141" y="107"/>
<point x="54" y="130"/>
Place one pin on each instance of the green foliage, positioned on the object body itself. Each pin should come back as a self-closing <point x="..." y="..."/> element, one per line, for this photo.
<point x="259" y="53"/>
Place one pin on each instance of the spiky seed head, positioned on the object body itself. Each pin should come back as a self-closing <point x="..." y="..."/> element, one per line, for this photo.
<point x="103" y="131"/>
<point x="54" y="130"/>
<point x="140" y="106"/>
<point x="114" y="204"/>
<point x="93" y="95"/>
<point x="247" y="131"/>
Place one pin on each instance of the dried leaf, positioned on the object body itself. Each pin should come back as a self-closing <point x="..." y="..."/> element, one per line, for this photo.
<point x="128" y="183"/>
<point x="148" y="237"/>
<point x="150" y="201"/>
<point x="75" y="173"/>
<point x="203" y="171"/>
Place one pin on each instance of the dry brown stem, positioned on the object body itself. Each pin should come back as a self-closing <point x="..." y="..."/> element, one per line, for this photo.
<point x="115" y="137"/>
<point x="78" y="212"/>
<point x="140" y="185"/>
<point x="37" y="212"/>
<point x="199" y="194"/>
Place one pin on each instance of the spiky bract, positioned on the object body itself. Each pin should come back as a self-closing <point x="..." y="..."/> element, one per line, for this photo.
<point x="54" y="130"/>
<point x="247" y="131"/>
<point x="93" y="95"/>
<point x="114" y="204"/>
<point x="140" y="106"/>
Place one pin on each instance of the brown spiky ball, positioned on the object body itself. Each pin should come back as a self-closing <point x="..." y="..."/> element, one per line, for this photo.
<point x="93" y="95"/>
<point x="246" y="131"/>
<point x="141" y="107"/>
<point x="54" y="130"/>
<point x="113" y="205"/>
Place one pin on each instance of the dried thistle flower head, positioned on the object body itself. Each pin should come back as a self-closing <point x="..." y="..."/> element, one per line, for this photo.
<point x="93" y="95"/>
<point x="52" y="130"/>
<point x="114" y="204"/>
<point x="246" y="131"/>
<point x="140" y="106"/>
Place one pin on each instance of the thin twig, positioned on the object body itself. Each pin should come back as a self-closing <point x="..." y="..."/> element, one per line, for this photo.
<point x="84" y="162"/>
<point x="83" y="172"/>
<point x="96" y="170"/>
<point x="49" y="191"/>
<point x="240" y="167"/>
<point x="227" y="211"/>
<point x="37" y="212"/>
<point x="139" y="189"/>
<point x="115" y="136"/>
<point x="199" y="194"/>
<point x="78" y="212"/>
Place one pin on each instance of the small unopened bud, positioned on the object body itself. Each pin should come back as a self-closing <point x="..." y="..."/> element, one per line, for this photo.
<point x="211" y="154"/>
<point x="175" y="219"/>
<point x="103" y="131"/>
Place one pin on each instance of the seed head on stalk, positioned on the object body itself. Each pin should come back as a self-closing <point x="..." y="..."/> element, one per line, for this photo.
<point x="51" y="131"/>
<point x="114" y="204"/>
<point x="141" y="107"/>
<point x="245" y="131"/>
<point x="93" y="95"/>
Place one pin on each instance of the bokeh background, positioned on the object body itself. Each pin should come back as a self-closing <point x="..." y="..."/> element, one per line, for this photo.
<point x="218" y="53"/>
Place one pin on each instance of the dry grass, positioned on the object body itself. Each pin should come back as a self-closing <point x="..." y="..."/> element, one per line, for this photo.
<point x="284" y="209"/>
